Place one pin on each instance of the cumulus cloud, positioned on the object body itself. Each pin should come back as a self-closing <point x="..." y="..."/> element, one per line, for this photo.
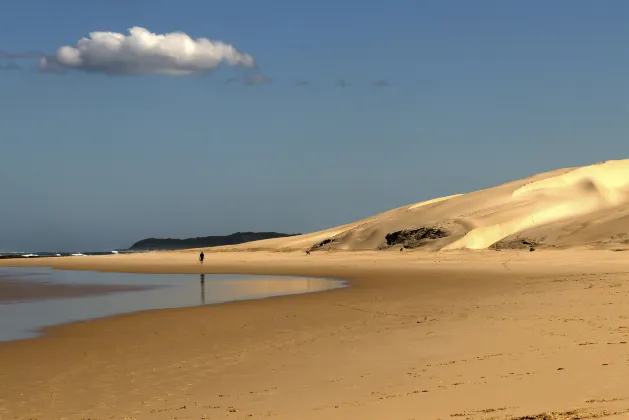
<point x="143" y="52"/>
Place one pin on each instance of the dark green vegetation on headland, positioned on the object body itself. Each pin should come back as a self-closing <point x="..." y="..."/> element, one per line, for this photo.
<point x="11" y="256"/>
<point x="205" y="241"/>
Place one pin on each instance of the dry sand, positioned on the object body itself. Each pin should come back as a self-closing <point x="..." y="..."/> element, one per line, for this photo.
<point x="463" y="334"/>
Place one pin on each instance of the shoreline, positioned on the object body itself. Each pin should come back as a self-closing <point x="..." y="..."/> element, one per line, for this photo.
<point x="469" y="332"/>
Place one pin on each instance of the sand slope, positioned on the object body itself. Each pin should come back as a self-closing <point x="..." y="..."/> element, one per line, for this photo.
<point x="570" y="207"/>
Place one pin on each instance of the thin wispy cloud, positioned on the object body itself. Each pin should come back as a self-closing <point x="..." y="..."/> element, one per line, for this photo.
<point x="256" y="80"/>
<point x="253" y="79"/>
<point x="142" y="52"/>
<point x="342" y="83"/>
<point x="10" y="67"/>
<point x="302" y="83"/>
<point x="381" y="84"/>
<point x="19" y="55"/>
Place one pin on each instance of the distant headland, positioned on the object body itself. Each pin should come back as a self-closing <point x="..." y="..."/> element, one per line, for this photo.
<point x="156" y="244"/>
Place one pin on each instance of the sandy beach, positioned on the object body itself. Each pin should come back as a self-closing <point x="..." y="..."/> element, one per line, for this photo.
<point x="461" y="334"/>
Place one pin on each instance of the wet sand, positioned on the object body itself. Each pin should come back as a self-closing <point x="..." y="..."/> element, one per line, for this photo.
<point x="417" y="336"/>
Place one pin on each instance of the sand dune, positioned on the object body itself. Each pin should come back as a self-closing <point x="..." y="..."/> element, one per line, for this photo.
<point x="570" y="207"/>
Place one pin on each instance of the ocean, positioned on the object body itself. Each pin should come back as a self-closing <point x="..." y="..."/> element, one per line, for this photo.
<point x="7" y="255"/>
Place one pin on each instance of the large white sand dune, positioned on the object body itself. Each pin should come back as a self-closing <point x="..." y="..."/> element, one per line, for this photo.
<point x="582" y="206"/>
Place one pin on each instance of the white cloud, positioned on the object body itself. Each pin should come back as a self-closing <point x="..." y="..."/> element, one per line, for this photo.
<point x="143" y="52"/>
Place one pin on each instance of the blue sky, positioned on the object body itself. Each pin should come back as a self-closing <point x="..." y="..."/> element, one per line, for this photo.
<point x="480" y="93"/>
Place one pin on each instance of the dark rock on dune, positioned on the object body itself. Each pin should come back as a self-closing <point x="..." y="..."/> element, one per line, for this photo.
<point x="515" y="243"/>
<point x="414" y="238"/>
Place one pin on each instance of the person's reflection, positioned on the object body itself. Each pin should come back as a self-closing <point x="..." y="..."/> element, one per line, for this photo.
<point x="202" y="289"/>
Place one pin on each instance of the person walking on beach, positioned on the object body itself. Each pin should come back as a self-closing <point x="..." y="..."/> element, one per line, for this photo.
<point x="201" y="256"/>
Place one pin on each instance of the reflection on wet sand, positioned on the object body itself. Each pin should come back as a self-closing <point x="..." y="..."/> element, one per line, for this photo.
<point x="202" y="289"/>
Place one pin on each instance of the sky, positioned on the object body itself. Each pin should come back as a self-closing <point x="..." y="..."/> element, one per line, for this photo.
<point x="127" y="119"/>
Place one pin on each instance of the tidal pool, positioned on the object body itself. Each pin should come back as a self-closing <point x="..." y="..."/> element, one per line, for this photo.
<point x="34" y="297"/>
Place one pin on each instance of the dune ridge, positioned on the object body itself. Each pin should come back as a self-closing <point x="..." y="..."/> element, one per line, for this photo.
<point x="571" y="207"/>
